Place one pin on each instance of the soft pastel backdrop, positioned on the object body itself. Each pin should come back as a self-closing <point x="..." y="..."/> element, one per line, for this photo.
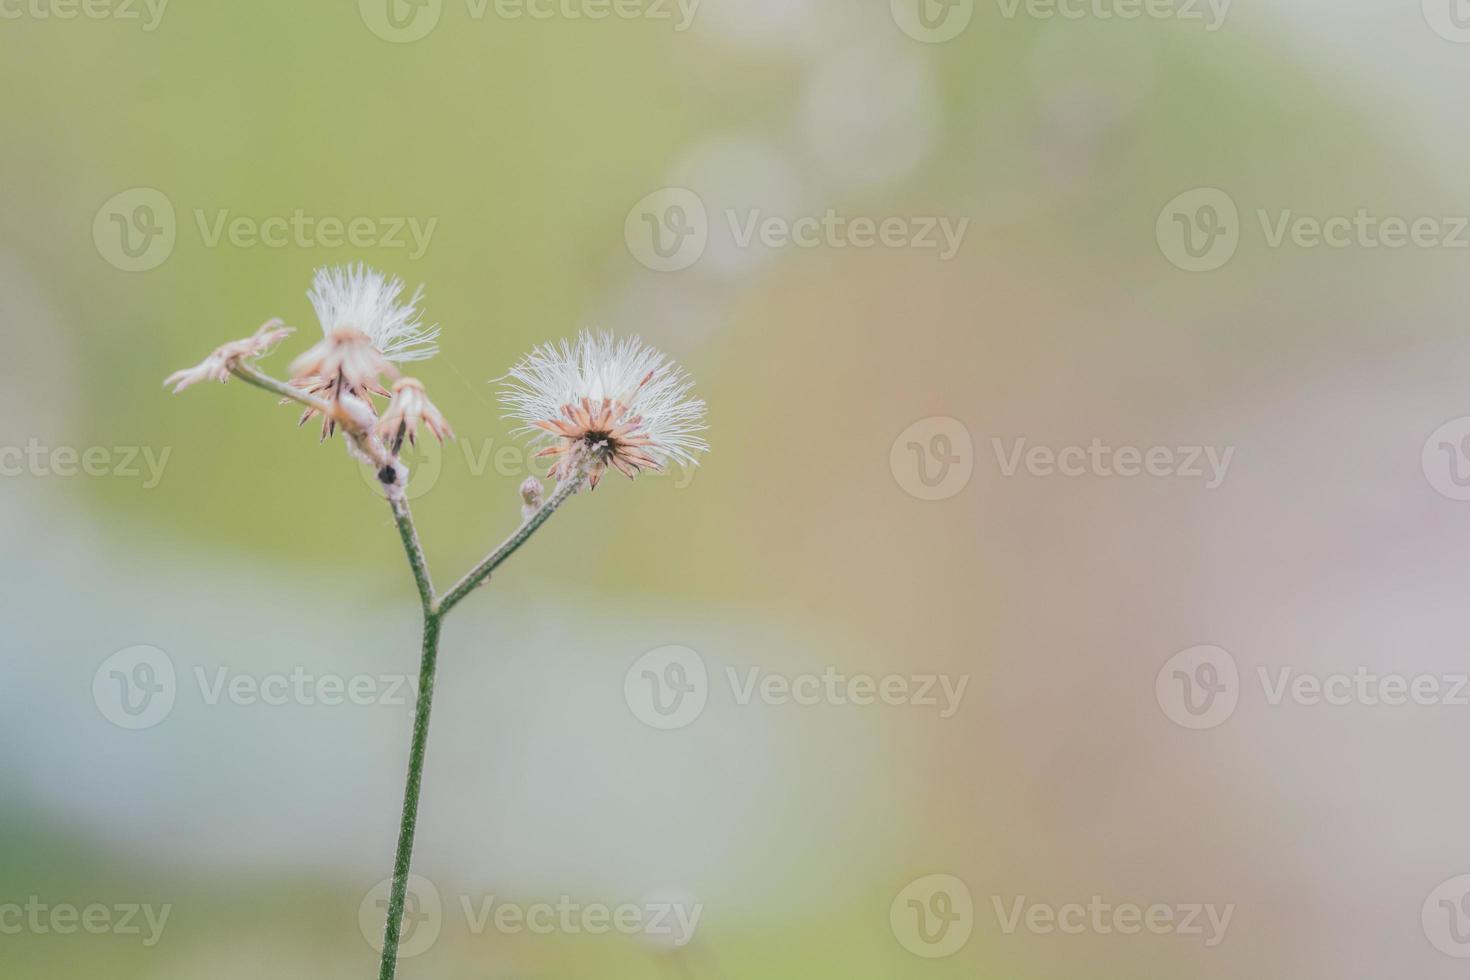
<point x="797" y="547"/>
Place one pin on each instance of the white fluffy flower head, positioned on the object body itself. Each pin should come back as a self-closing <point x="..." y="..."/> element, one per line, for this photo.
<point x="606" y="402"/>
<point x="368" y="301"/>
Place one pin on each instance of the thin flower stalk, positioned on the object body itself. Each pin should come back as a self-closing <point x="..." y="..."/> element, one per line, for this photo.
<point x="597" y="404"/>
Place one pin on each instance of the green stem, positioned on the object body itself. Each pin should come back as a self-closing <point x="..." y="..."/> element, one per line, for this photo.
<point x="248" y="374"/>
<point x="434" y="609"/>
<point x="367" y="443"/>
<point x="481" y="572"/>
<point x="415" y="552"/>
<point x="404" y="855"/>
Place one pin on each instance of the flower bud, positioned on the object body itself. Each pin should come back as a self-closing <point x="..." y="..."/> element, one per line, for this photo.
<point x="532" y="497"/>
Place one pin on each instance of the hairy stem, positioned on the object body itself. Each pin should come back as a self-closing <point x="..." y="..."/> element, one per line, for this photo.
<point x="369" y="447"/>
<point x="415" y="551"/>
<point x="248" y="374"/>
<point x="434" y="611"/>
<point x="404" y="854"/>
<point x="481" y="572"/>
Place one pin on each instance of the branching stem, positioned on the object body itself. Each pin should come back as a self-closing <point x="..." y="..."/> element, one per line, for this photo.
<point x="435" y="608"/>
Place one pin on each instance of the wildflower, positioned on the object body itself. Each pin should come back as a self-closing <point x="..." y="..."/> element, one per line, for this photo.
<point x="217" y="366"/>
<point x="410" y="407"/>
<point x="365" y="330"/>
<point x="604" y="402"/>
<point x="367" y="301"/>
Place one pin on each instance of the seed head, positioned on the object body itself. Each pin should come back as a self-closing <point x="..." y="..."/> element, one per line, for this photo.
<point x="605" y="402"/>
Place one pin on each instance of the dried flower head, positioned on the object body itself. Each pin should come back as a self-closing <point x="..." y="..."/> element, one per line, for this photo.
<point x="409" y="408"/>
<point x="343" y="363"/>
<point x="365" y="329"/>
<point x="605" y="402"/>
<point x="216" y="367"/>
<point x="367" y="301"/>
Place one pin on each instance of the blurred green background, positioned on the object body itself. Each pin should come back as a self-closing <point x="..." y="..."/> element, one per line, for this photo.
<point x="533" y="152"/>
